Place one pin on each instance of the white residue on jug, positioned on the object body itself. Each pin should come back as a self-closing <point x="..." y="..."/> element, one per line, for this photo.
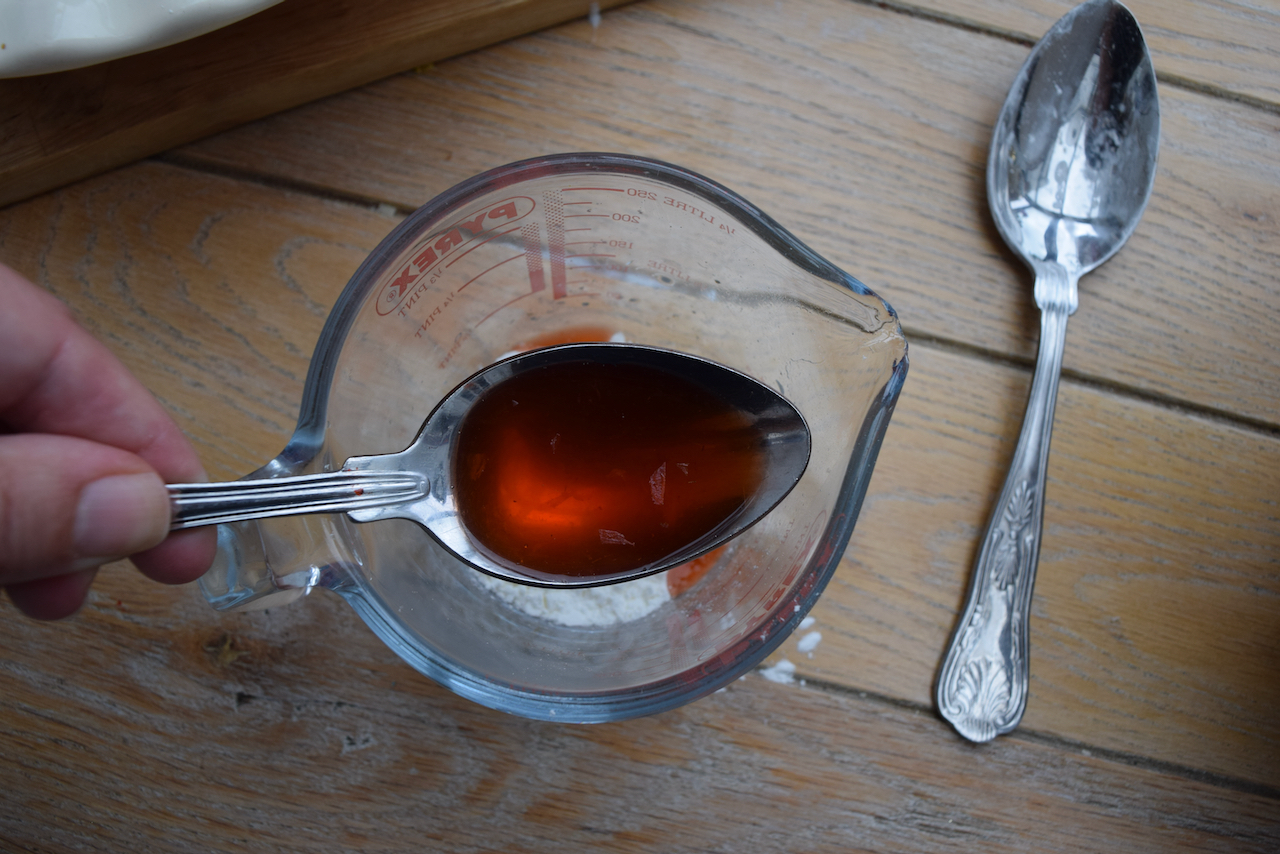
<point x="590" y="606"/>
<point x="783" y="672"/>
<point x="809" y="643"/>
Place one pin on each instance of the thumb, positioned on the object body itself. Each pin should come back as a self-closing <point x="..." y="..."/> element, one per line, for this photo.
<point x="69" y="505"/>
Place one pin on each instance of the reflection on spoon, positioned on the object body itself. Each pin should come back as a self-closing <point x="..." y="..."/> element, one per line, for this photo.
<point x="1072" y="162"/>
<point x="568" y="466"/>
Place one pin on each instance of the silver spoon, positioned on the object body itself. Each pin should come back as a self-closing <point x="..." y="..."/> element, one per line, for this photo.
<point x="1072" y="161"/>
<point x="416" y="483"/>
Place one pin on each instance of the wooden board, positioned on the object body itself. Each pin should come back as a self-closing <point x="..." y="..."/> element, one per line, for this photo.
<point x="865" y="133"/>
<point x="149" y="722"/>
<point x="1223" y="47"/>
<point x="58" y="128"/>
<point x="274" y="738"/>
<point x="1140" y="613"/>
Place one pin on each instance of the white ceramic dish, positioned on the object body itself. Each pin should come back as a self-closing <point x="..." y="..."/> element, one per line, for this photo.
<point x="43" y="36"/>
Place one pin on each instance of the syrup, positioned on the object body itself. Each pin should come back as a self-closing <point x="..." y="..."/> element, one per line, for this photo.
<point x="586" y="469"/>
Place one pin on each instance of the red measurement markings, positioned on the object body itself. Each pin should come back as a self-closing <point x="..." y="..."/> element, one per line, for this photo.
<point x="506" y="304"/>
<point x="578" y="266"/>
<point x="490" y="270"/>
<point x="435" y="314"/>
<point x="531" y="234"/>
<point x="554" y="207"/>
<point x="587" y="262"/>
<point x="481" y="243"/>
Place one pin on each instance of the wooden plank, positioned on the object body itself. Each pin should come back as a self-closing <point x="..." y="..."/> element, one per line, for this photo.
<point x="1219" y="45"/>
<point x="865" y="132"/>
<point x="1154" y="622"/>
<point x="57" y="128"/>
<point x="212" y="292"/>
<point x="151" y="724"/>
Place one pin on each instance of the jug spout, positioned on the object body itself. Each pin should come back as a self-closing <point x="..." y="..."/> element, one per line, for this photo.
<point x="267" y="563"/>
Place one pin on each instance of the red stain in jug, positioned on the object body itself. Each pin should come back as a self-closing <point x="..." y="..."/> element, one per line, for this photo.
<point x="570" y="335"/>
<point x="681" y="578"/>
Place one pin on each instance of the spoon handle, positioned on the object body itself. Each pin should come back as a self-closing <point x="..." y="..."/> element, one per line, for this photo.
<point x="196" y="504"/>
<point x="982" y="687"/>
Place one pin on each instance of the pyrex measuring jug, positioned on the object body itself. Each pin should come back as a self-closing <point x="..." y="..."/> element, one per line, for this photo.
<point x="578" y="247"/>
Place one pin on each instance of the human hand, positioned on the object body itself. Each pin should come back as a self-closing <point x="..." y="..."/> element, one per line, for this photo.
<point x="85" y="452"/>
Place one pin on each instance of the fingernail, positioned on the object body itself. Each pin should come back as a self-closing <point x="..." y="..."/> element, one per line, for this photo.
<point x="120" y="515"/>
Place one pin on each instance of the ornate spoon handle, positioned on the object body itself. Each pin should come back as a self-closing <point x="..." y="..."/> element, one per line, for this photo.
<point x="982" y="687"/>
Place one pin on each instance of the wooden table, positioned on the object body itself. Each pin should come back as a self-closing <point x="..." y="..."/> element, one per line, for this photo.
<point x="149" y="722"/>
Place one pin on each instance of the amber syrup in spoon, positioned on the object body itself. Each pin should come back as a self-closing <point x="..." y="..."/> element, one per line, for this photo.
<point x="586" y="469"/>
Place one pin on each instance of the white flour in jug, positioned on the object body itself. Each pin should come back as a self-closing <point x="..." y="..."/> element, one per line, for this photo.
<point x="591" y="606"/>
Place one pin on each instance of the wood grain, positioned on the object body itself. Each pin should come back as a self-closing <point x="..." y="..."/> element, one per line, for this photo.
<point x="213" y="292"/>
<point x="1159" y="568"/>
<point x="57" y="128"/>
<point x="865" y="133"/>
<point x="149" y="722"/>
<point x="1154" y="599"/>
<point x="1220" y="45"/>
<point x="160" y="726"/>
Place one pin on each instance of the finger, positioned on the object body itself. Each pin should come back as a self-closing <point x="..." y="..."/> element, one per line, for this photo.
<point x="67" y="505"/>
<point x="52" y="598"/>
<point x="181" y="558"/>
<point x="57" y="378"/>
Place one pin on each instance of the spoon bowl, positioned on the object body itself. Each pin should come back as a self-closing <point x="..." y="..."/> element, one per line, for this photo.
<point x="1073" y="153"/>
<point x="1070" y="171"/>
<point x="421" y="482"/>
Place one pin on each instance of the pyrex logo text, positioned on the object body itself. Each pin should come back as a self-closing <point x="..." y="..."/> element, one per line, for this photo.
<point x="444" y="244"/>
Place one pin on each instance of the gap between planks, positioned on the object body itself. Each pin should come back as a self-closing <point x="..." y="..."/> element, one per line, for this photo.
<point x="915" y="337"/>
<point x="1031" y="736"/>
<point x="1028" y="41"/>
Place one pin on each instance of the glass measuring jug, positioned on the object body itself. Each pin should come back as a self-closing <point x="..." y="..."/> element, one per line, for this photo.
<point x="578" y="247"/>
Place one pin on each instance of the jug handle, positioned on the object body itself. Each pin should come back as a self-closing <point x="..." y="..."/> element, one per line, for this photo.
<point x="265" y="563"/>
